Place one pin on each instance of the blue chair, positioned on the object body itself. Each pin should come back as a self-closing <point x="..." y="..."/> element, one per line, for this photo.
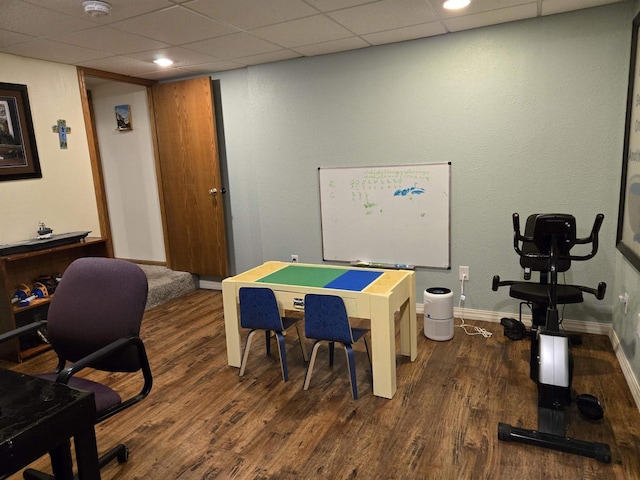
<point x="326" y="320"/>
<point x="259" y="312"/>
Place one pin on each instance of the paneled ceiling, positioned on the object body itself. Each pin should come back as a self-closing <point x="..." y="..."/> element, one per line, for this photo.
<point x="204" y="36"/>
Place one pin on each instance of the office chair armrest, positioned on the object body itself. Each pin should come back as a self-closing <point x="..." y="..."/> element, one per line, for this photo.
<point x="106" y="351"/>
<point x="18" y="332"/>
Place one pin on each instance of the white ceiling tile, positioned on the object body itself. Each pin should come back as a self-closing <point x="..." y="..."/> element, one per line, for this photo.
<point x="123" y="65"/>
<point x="120" y="9"/>
<point x="304" y="31"/>
<point x="550" y="7"/>
<point x="54" y="51"/>
<point x="406" y="33"/>
<point x="175" y="25"/>
<point x="211" y="33"/>
<point x="330" y="5"/>
<point x="351" y="43"/>
<point x="233" y="46"/>
<point x="109" y="40"/>
<point x="171" y="73"/>
<point x="30" y="19"/>
<point x="213" y="67"/>
<point x="249" y="14"/>
<point x="268" y="57"/>
<point x="493" y="17"/>
<point x="11" y="38"/>
<point x="181" y="56"/>
<point x="383" y="15"/>
<point x="478" y="6"/>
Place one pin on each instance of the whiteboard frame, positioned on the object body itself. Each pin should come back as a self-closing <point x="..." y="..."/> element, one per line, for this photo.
<point x="399" y="261"/>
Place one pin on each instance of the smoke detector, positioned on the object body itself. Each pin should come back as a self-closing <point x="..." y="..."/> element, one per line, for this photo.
<point x="96" y="8"/>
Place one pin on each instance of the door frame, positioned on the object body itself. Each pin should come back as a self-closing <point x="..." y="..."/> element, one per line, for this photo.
<point x="94" y="151"/>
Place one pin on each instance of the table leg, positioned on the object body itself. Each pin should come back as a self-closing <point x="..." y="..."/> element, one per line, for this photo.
<point x="87" y="454"/>
<point x="409" y="326"/>
<point x="61" y="462"/>
<point x="231" y="324"/>
<point x="383" y="347"/>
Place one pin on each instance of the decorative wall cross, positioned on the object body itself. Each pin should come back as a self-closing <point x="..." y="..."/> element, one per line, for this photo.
<point x="61" y="129"/>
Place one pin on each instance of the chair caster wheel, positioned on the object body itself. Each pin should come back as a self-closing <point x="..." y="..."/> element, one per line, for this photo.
<point x="123" y="456"/>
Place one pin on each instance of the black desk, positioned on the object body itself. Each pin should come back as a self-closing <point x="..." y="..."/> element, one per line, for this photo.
<point x="39" y="417"/>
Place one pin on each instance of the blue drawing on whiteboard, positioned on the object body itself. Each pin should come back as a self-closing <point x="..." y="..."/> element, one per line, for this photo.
<point x="403" y="192"/>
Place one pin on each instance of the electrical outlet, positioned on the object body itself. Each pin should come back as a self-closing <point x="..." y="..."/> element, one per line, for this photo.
<point x="464" y="273"/>
<point x="294" y="258"/>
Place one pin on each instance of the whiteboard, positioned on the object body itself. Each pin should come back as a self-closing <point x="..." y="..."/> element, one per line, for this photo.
<point x="389" y="215"/>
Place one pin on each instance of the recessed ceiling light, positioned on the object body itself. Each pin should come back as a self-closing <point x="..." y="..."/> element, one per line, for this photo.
<point x="455" y="4"/>
<point x="163" y="62"/>
<point x="96" y="8"/>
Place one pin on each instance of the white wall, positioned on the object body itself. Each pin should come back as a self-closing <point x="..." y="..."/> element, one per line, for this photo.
<point x="64" y="197"/>
<point x="129" y="173"/>
<point x="531" y="115"/>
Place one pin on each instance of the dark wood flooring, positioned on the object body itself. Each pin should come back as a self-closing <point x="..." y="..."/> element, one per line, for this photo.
<point x="202" y="421"/>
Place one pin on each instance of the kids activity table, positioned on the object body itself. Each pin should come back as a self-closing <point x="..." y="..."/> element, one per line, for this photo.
<point x="368" y="293"/>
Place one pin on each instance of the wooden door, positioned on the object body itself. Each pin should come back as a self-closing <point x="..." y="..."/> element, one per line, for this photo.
<point x="189" y="176"/>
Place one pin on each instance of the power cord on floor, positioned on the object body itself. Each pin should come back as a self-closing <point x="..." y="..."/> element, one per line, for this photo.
<point x="476" y="330"/>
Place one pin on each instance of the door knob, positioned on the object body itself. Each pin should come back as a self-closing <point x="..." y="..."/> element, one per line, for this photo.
<point x="213" y="191"/>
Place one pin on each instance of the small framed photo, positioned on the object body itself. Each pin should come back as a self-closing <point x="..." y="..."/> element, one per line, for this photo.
<point x="123" y="117"/>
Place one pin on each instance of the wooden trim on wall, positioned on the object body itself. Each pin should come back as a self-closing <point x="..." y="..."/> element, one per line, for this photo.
<point x="156" y="156"/>
<point x="96" y="163"/>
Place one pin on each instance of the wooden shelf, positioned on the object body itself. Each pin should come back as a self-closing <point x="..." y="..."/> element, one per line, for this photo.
<point x="30" y="352"/>
<point x="25" y="268"/>
<point x="38" y="302"/>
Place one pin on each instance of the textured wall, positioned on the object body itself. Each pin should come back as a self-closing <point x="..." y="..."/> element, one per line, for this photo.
<point x="531" y="115"/>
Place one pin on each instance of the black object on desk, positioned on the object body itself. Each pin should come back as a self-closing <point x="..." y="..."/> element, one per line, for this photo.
<point x="39" y="417"/>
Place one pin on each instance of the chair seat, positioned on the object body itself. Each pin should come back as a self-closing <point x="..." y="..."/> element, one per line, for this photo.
<point x="105" y="397"/>
<point x="538" y="293"/>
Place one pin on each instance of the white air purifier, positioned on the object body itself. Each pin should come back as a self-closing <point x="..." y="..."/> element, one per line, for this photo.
<point x="438" y="314"/>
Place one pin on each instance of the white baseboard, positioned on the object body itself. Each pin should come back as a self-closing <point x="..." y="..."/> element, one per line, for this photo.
<point x="629" y="376"/>
<point x="209" y="285"/>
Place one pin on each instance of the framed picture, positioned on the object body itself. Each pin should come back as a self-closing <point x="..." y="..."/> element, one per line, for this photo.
<point x="628" y="237"/>
<point x="18" y="150"/>
<point x="123" y="117"/>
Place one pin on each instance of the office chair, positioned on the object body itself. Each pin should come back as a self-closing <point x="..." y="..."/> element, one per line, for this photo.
<point x="259" y="312"/>
<point x="326" y="320"/>
<point x="94" y="322"/>
<point x="546" y="247"/>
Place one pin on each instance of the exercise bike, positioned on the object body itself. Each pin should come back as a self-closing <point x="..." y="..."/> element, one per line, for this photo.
<point x="546" y="247"/>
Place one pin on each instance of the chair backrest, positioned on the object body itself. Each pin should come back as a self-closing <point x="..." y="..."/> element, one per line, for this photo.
<point x="259" y="309"/>
<point x="541" y="227"/>
<point x="325" y="317"/>
<point x="98" y="301"/>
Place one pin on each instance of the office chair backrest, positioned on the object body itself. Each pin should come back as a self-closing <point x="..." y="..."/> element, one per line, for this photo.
<point x="259" y="309"/>
<point x="540" y="227"/>
<point x="325" y="317"/>
<point x="98" y="301"/>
